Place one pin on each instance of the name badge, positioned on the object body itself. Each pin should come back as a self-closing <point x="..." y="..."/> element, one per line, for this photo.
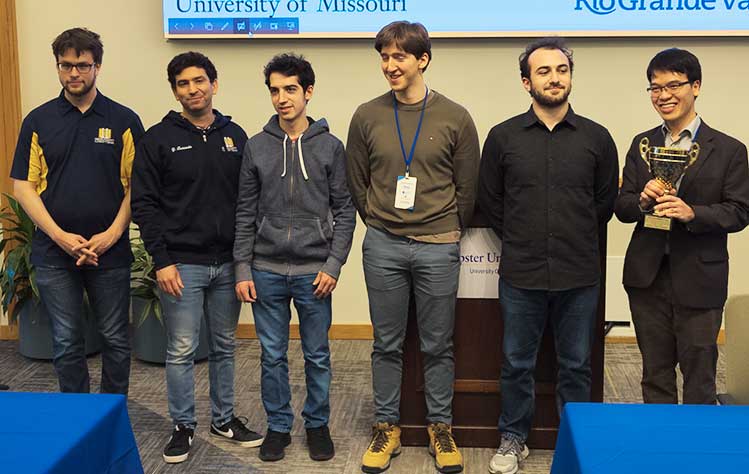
<point x="405" y="193"/>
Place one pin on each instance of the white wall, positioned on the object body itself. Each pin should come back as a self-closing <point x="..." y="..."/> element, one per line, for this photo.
<point x="609" y="83"/>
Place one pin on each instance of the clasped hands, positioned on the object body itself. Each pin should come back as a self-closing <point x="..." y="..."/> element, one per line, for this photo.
<point x="664" y="202"/>
<point x="86" y="251"/>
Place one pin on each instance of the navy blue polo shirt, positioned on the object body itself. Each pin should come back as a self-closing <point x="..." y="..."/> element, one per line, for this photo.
<point x="80" y="164"/>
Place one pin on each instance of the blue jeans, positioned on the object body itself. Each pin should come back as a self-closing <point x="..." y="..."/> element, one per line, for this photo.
<point x="524" y="313"/>
<point x="61" y="291"/>
<point x="208" y="292"/>
<point x="393" y="266"/>
<point x="272" y="313"/>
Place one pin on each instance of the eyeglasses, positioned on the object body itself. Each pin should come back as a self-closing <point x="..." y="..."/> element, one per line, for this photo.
<point x="83" y="68"/>
<point x="671" y="87"/>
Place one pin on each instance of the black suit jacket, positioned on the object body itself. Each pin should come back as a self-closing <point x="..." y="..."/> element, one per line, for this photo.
<point x="716" y="186"/>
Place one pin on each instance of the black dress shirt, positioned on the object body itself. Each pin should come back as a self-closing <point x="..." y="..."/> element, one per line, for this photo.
<point x="546" y="194"/>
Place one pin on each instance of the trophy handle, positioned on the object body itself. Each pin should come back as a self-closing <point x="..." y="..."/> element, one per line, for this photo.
<point x="644" y="148"/>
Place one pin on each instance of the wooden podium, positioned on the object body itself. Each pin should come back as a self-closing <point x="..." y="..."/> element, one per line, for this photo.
<point x="478" y="360"/>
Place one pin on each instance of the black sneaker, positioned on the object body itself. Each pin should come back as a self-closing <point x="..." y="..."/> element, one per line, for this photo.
<point x="237" y="432"/>
<point x="178" y="447"/>
<point x="273" y="445"/>
<point x="319" y="444"/>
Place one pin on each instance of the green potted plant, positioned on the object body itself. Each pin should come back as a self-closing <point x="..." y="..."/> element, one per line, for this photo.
<point x="20" y="296"/>
<point x="149" y="333"/>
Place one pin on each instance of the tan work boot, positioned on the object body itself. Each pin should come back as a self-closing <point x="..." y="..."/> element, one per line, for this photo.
<point x="442" y="446"/>
<point x="385" y="444"/>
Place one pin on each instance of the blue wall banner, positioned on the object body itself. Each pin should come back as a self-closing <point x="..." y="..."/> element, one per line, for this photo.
<point x="451" y="18"/>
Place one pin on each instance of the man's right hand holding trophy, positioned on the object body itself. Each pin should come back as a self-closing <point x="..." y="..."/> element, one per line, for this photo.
<point x="658" y="200"/>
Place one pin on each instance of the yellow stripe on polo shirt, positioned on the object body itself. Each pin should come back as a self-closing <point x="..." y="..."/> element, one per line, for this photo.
<point x="37" y="165"/>
<point x="126" y="162"/>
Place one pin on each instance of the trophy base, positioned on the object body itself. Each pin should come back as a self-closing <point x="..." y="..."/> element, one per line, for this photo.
<point x="657" y="222"/>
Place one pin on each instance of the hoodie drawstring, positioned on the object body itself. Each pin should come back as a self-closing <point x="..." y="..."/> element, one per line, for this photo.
<point x="301" y="156"/>
<point x="285" y="137"/>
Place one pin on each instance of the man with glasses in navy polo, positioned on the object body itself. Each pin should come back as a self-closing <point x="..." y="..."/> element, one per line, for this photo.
<point x="71" y="174"/>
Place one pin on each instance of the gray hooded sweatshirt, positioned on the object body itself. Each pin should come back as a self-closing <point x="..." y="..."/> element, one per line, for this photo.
<point x="294" y="215"/>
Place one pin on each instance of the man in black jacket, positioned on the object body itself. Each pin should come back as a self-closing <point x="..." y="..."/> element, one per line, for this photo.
<point x="677" y="280"/>
<point x="185" y="182"/>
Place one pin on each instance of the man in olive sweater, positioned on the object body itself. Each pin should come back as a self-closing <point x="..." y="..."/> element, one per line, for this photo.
<point x="412" y="167"/>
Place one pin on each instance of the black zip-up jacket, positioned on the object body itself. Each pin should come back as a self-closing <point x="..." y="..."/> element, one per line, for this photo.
<point x="184" y="190"/>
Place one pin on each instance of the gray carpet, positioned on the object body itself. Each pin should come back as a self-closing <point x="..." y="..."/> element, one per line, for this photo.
<point x="351" y="399"/>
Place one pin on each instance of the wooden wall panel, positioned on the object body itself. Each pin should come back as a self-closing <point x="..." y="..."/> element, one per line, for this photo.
<point x="10" y="113"/>
<point x="10" y="105"/>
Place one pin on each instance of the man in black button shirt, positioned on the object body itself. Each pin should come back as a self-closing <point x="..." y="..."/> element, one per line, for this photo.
<point x="547" y="185"/>
<point x="71" y="173"/>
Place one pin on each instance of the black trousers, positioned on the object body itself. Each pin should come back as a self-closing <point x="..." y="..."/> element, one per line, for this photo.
<point x="669" y="334"/>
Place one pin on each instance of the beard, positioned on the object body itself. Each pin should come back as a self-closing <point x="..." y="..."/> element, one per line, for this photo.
<point x="81" y="92"/>
<point x="550" y="101"/>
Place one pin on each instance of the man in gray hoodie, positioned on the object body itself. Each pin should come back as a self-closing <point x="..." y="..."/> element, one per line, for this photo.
<point x="294" y="226"/>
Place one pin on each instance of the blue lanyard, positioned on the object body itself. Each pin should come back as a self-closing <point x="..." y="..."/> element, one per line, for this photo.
<point x="408" y="159"/>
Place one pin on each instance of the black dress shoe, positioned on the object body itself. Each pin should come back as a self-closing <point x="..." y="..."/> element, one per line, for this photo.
<point x="319" y="444"/>
<point x="273" y="446"/>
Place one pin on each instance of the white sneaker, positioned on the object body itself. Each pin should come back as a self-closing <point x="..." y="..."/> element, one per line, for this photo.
<point x="509" y="454"/>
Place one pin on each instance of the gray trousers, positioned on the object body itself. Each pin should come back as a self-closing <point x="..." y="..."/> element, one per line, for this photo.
<point x="394" y="265"/>
<point x="669" y="334"/>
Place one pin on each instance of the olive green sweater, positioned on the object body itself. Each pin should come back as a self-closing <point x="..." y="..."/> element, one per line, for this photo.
<point x="445" y="164"/>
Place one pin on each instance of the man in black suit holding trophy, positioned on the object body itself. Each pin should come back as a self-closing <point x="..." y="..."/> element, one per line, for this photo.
<point x="676" y="267"/>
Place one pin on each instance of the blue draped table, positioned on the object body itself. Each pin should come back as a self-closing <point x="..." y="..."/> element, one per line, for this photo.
<point x="597" y="438"/>
<point x="61" y="433"/>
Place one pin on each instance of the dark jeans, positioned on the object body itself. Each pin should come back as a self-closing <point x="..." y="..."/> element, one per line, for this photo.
<point x="272" y="313"/>
<point x="108" y="290"/>
<point x="525" y="313"/>
<point x="670" y="334"/>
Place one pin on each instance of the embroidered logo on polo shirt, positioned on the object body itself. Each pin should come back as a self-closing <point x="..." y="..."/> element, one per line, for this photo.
<point x="105" y="136"/>
<point x="229" y="145"/>
<point x="181" y="148"/>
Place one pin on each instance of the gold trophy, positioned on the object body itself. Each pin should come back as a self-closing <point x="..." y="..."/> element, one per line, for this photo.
<point x="667" y="165"/>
